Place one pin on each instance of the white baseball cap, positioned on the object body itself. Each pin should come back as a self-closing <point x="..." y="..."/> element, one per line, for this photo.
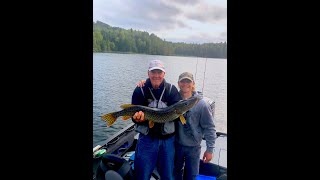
<point x="156" y="64"/>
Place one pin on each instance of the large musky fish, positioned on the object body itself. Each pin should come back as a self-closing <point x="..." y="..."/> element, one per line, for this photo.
<point x="153" y="115"/>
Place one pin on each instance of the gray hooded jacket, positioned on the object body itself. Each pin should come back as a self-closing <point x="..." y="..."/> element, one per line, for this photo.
<point x="200" y="123"/>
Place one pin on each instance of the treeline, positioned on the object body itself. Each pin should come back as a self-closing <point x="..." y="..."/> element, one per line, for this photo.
<point x="115" y="39"/>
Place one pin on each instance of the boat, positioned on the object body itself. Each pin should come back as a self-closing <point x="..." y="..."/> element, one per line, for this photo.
<point x="114" y="157"/>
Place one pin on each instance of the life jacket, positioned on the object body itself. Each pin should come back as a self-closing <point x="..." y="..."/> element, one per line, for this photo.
<point x="154" y="102"/>
<point x="168" y="127"/>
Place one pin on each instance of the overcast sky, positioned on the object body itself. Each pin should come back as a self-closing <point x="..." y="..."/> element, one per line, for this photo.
<point x="190" y="21"/>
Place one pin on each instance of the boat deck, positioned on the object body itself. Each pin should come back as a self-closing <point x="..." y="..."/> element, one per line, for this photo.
<point x="123" y="144"/>
<point x="220" y="152"/>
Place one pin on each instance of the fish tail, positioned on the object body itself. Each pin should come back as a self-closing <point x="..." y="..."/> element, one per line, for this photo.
<point x="110" y="118"/>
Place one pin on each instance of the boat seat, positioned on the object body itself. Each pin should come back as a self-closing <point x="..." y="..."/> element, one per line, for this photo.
<point x="114" y="163"/>
<point x="111" y="174"/>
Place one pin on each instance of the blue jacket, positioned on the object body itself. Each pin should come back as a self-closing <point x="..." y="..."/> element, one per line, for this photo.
<point x="200" y="123"/>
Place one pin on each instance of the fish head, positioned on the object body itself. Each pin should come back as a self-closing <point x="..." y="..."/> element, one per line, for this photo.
<point x="184" y="105"/>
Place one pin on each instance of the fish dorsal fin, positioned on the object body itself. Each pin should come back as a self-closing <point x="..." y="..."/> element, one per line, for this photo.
<point x="125" y="106"/>
<point x="182" y="119"/>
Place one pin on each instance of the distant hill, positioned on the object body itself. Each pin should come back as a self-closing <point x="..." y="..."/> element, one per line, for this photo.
<point x="114" y="39"/>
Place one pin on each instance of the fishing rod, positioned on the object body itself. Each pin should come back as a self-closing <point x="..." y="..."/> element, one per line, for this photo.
<point x="195" y="75"/>
<point x="204" y="74"/>
<point x="205" y="68"/>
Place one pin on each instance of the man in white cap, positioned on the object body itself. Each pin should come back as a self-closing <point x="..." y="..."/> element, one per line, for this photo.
<point x="155" y="147"/>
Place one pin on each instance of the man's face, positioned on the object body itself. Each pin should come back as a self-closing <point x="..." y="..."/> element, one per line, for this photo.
<point x="156" y="77"/>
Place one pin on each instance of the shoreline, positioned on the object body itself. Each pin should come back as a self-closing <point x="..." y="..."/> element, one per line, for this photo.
<point x="119" y="52"/>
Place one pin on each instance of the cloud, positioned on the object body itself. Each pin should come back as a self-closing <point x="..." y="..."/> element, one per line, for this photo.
<point x="157" y="15"/>
<point x="183" y="2"/>
<point x="142" y="14"/>
<point x="207" y="13"/>
<point x="178" y="19"/>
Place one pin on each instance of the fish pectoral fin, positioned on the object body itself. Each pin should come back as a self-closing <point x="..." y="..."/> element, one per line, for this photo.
<point x="182" y="119"/>
<point x="126" y="117"/>
<point x="125" y="106"/>
<point x="151" y="124"/>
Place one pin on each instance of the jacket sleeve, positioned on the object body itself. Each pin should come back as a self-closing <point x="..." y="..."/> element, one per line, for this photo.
<point x="208" y="126"/>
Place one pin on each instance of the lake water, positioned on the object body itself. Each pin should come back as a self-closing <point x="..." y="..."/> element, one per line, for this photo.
<point x="115" y="77"/>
